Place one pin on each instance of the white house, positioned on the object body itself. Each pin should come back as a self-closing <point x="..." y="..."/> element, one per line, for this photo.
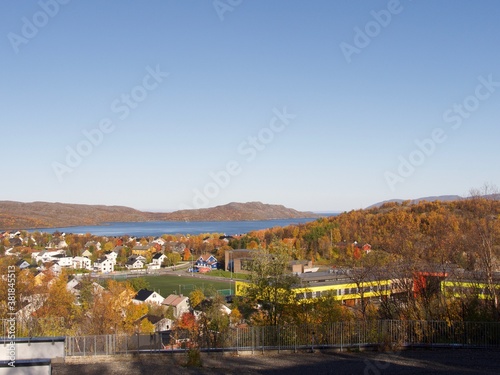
<point x="147" y="296"/>
<point x="134" y="264"/>
<point x="71" y="284"/>
<point x="138" y="257"/>
<point x="65" y="261"/>
<point x="158" y="258"/>
<point x="45" y="255"/>
<point x="111" y="255"/>
<point x="152" y="267"/>
<point x="82" y="263"/>
<point x="103" y="265"/>
<point x="161" y="324"/>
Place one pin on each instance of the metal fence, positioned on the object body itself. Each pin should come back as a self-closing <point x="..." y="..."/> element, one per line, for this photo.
<point x="340" y="336"/>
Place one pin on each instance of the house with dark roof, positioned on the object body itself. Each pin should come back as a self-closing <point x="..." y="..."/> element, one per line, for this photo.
<point x="134" y="264"/>
<point x="147" y="296"/>
<point x="139" y="257"/>
<point x="15" y="241"/>
<point x="158" y="258"/>
<point x="22" y="264"/>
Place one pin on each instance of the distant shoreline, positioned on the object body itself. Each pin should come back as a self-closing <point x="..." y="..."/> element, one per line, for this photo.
<point x="159" y="228"/>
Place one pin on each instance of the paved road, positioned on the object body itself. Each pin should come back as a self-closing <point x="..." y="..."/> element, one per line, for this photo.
<point x="417" y="362"/>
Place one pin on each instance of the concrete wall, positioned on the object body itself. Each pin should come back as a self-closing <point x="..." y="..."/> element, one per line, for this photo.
<point x="27" y="367"/>
<point x="34" y="348"/>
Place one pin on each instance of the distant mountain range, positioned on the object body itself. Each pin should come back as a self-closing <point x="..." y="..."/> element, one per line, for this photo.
<point x="443" y="198"/>
<point x="18" y="215"/>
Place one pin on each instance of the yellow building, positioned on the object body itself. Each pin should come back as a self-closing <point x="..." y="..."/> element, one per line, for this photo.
<point x="323" y="284"/>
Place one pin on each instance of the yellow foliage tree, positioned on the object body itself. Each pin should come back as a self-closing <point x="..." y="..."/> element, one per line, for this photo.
<point x="196" y="297"/>
<point x="59" y="305"/>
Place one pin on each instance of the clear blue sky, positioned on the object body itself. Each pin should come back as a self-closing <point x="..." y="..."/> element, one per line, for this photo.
<point x="359" y="103"/>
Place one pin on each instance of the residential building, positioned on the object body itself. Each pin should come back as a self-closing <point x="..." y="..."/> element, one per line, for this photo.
<point x="45" y="255"/>
<point x="207" y="261"/>
<point x="93" y="245"/>
<point x="148" y="296"/>
<point x="160" y="241"/>
<point x="103" y="265"/>
<point x="134" y="264"/>
<point x="111" y="255"/>
<point x="52" y="266"/>
<point x="179" y="303"/>
<point x="64" y="261"/>
<point x="158" y="258"/>
<point x="82" y="263"/>
<point x="161" y="324"/>
<point x="75" y="286"/>
<point x="22" y="264"/>
<point x="143" y="250"/>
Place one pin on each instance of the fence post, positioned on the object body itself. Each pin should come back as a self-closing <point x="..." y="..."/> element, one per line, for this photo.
<point x="253" y="339"/>
<point x="237" y="341"/>
<point x="295" y="339"/>
<point x="262" y="340"/>
<point x="279" y="341"/>
<point x="341" y="335"/>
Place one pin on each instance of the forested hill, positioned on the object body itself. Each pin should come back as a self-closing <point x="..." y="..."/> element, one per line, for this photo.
<point x="457" y="232"/>
<point x="238" y="211"/>
<point x="18" y="215"/>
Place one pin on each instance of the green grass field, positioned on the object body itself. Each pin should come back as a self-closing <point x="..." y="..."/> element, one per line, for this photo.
<point x="170" y="284"/>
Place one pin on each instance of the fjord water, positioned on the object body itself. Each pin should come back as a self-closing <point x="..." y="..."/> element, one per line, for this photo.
<point x="157" y="228"/>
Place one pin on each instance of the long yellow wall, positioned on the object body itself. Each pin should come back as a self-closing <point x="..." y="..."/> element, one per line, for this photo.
<point x="339" y="291"/>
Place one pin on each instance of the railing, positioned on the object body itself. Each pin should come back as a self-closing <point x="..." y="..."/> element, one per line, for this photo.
<point x="340" y="336"/>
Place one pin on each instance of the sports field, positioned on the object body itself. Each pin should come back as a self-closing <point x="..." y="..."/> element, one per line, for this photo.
<point x="169" y="284"/>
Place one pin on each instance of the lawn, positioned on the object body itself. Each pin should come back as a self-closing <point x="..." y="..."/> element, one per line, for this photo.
<point x="168" y="284"/>
<point x="228" y="274"/>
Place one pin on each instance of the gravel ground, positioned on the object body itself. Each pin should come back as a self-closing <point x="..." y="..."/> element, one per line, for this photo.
<point x="439" y="361"/>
